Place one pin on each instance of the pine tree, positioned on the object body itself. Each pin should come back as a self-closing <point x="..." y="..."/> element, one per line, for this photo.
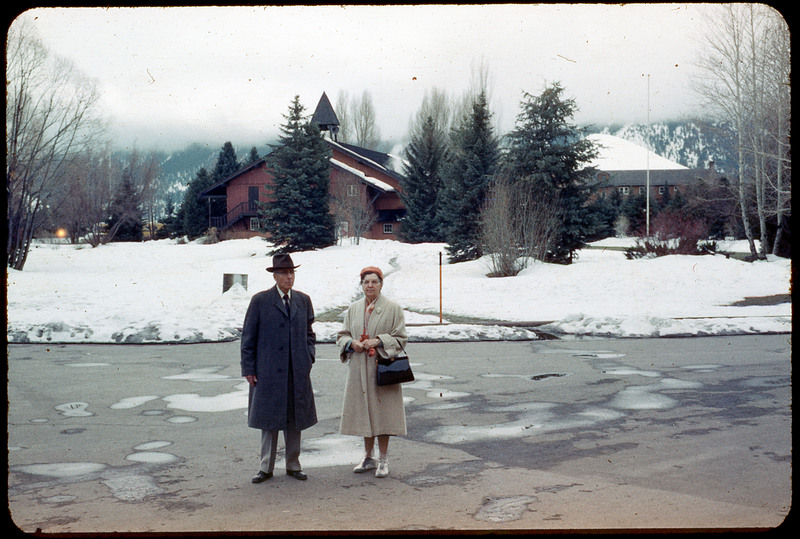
<point x="194" y="212"/>
<point x="297" y="216"/>
<point x="169" y="220"/>
<point x="474" y="157"/>
<point x="253" y="157"/>
<point x="227" y="163"/>
<point x="125" y="222"/>
<point x="549" y="151"/>
<point x="425" y="157"/>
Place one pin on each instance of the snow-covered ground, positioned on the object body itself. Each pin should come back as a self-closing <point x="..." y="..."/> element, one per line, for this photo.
<point x="170" y="292"/>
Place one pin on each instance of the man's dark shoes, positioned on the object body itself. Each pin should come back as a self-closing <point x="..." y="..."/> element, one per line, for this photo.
<point x="260" y="477"/>
<point x="297" y="474"/>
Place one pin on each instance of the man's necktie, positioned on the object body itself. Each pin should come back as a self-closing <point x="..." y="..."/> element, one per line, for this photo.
<point x="286" y="303"/>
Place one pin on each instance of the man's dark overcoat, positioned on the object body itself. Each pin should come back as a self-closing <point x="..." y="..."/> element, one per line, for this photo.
<point x="265" y="353"/>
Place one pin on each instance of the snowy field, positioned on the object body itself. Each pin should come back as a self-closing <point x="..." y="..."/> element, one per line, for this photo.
<point x="170" y="292"/>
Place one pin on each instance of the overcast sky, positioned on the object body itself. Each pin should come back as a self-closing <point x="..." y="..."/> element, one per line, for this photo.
<point x="212" y="74"/>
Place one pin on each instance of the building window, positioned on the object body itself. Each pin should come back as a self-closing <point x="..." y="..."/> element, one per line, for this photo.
<point x="642" y="190"/>
<point x="351" y="190"/>
<point x="661" y="190"/>
<point x="254" y="224"/>
<point x="624" y="190"/>
<point x="388" y="228"/>
<point x="344" y="228"/>
<point x="675" y="189"/>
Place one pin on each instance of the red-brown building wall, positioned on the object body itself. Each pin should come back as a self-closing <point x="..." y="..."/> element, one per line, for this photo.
<point x="238" y="188"/>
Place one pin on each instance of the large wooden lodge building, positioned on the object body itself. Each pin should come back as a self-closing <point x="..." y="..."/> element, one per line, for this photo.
<point x="357" y="172"/>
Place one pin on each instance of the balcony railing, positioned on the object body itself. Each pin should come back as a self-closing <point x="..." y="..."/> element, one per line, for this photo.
<point x="241" y="210"/>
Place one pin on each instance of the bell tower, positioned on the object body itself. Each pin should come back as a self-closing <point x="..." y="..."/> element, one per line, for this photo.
<point x="325" y="117"/>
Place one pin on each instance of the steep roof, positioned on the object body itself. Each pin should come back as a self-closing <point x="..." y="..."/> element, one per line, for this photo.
<point x="324" y="116"/>
<point x="383" y="162"/>
<point x="375" y="160"/>
<point x="369" y="180"/>
<point x="615" y="153"/>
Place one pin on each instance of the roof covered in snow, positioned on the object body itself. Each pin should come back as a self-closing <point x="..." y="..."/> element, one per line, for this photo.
<point x="614" y="153"/>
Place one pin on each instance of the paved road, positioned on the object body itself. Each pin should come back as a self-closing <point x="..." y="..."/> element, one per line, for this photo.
<point x="585" y="434"/>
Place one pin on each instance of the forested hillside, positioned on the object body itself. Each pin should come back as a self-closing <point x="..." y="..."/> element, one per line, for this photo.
<point x="691" y="144"/>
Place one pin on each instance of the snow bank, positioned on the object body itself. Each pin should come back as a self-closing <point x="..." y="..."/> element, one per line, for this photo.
<point x="168" y="292"/>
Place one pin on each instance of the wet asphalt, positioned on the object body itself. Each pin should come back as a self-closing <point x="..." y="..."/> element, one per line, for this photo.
<point x="607" y="434"/>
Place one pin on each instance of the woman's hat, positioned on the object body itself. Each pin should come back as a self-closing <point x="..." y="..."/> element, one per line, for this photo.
<point x="282" y="261"/>
<point x="372" y="269"/>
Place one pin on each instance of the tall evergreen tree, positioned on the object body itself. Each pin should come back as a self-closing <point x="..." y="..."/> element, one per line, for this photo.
<point x="425" y="157"/>
<point x="549" y="151"/>
<point x="227" y="163"/>
<point x="194" y="212"/>
<point x="473" y="159"/>
<point x="253" y="157"/>
<point x="126" y="212"/>
<point x="169" y="220"/>
<point x="297" y="216"/>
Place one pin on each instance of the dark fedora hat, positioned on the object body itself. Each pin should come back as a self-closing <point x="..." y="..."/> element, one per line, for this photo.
<point x="282" y="261"/>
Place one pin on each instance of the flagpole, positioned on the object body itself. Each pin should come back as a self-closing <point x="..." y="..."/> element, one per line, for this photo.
<point x="647" y="194"/>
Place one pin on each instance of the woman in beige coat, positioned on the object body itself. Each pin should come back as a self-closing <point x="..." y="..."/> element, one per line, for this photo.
<point x="373" y="326"/>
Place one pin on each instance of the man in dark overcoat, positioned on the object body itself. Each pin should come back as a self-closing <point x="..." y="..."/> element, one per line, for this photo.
<point x="277" y="352"/>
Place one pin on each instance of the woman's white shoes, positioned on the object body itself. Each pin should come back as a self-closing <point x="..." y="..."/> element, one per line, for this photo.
<point x="368" y="463"/>
<point x="381" y="467"/>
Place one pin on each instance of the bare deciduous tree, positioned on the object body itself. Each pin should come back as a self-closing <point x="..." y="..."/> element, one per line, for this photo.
<point x="83" y="202"/>
<point x="746" y="82"/>
<point x="516" y="226"/>
<point x="350" y="205"/>
<point x="90" y="183"/>
<point x="343" y="114"/>
<point x="50" y="118"/>
<point x="145" y="177"/>
<point x="364" y="122"/>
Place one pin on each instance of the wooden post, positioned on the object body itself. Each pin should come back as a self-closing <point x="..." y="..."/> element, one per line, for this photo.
<point x="440" y="287"/>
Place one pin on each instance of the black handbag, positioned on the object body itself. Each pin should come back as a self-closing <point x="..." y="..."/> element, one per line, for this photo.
<point x="395" y="370"/>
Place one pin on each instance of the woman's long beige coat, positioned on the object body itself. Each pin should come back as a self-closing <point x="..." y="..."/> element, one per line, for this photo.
<point x="368" y="409"/>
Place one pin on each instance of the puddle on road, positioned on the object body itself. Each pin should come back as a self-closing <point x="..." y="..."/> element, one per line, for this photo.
<point x="74" y="409"/>
<point x="132" y="488"/>
<point x="179" y="419"/>
<point x="152" y="457"/>
<point x="62" y="470"/>
<point x="534" y="418"/>
<point x="702" y="368"/>
<point x="132" y="402"/>
<point x="126" y="483"/>
<point x="504" y="509"/>
<point x="149" y="446"/>
<point x="85" y="365"/>
<point x="207" y="374"/>
<point x="627" y="372"/>
<point x="534" y="377"/>
<point x="648" y="398"/>
<point x="65" y="498"/>
<point x="424" y="382"/>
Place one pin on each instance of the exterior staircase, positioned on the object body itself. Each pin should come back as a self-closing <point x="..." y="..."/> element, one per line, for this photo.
<point x="240" y="211"/>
